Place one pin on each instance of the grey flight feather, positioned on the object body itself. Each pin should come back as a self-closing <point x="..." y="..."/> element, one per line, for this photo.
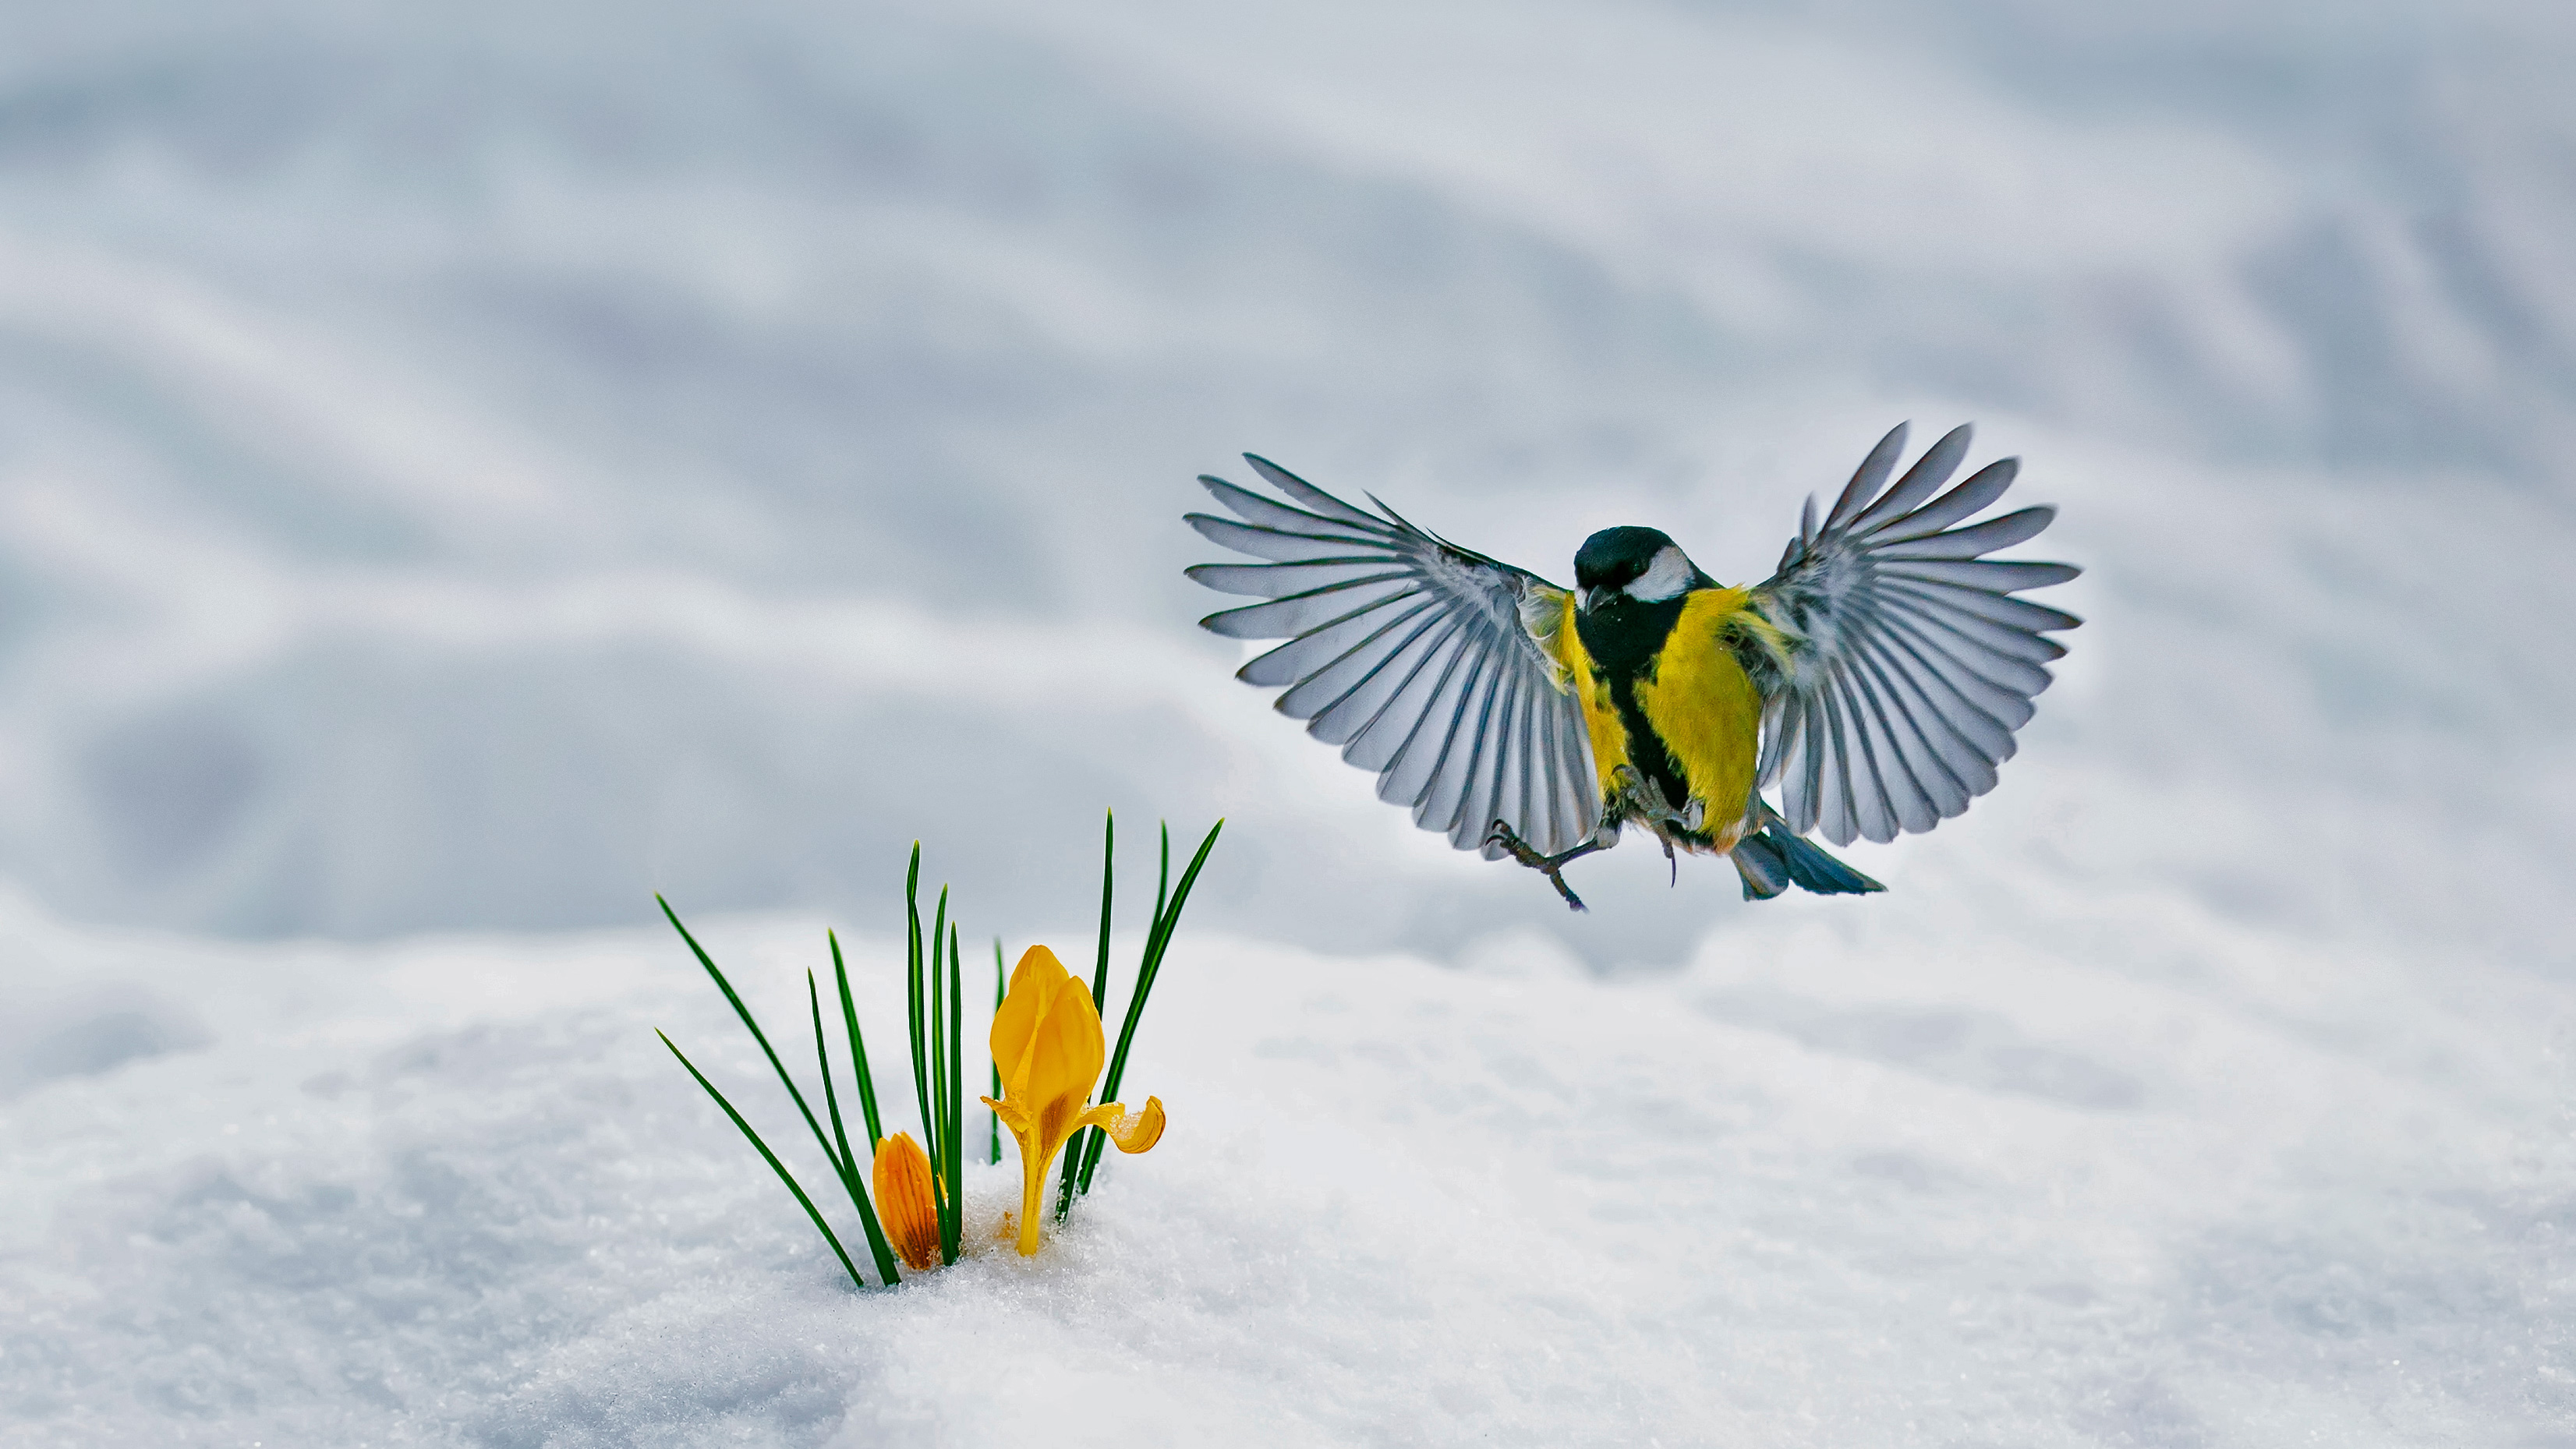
<point x="1907" y="665"/>
<point x="1411" y="654"/>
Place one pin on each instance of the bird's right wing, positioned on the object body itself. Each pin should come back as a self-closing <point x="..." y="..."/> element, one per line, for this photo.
<point x="1411" y="654"/>
<point x="1900" y="664"/>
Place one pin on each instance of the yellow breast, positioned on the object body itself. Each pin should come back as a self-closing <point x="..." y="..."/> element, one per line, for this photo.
<point x="1600" y="716"/>
<point x="1697" y="698"/>
<point x="1706" y="709"/>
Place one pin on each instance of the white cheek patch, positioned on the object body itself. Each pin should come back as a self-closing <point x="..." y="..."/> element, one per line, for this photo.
<point x="1668" y="576"/>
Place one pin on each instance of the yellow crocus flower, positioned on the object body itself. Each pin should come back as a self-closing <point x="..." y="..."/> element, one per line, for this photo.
<point x="905" y="1203"/>
<point x="1046" y="1040"/>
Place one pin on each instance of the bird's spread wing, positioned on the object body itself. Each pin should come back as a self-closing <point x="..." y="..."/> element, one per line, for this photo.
<point x="1409" y="652"/>
<point x="1903" y="664"/>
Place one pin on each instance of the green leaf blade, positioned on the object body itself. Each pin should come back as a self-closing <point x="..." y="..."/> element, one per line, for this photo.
<point x="762" y="1037"/>
<point x="1158" y="940"/>
<point x="858" y="1047"/>
<point x="789" y="1178"/>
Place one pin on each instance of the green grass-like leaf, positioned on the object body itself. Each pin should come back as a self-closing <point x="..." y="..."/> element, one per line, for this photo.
<point x="843" y="1165"/>
<point x="952" y="1226"/>
<point x="823" y="1061"/>
<point x="854" y="1175"/>
<point x="775" y="1165"/>
<point x="934" y="1114"/>
<point x="933" y="1009"/>
<point x="858" y="1047"/>
<point x="1167" y="919"/>
<point x="1073" y="1153"/>
<point x="757" y="1034"/>
<point x="912" y="1002"/>
<point x="937" y="1127"/>
<point x="1108" y="879"/>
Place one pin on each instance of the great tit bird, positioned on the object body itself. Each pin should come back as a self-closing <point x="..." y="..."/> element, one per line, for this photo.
<point x="1876" y="679"/>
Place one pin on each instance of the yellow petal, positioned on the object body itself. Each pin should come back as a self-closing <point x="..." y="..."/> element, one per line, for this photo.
<point x="1132" y="1131"/>
<point x="1033" y="983"/>
<point x="1046" y="1040"/>
<point x="1014" y="1121"/>
<point x="905" y="1207"/>
<point x="1065" y="1051"/>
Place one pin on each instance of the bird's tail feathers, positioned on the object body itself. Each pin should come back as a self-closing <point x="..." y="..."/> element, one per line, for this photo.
<point x="1773" y="860"/>
<point x="1764" y="868"/>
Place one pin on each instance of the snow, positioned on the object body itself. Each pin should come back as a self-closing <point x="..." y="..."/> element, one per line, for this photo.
<point x="1844" y="1180"/>
<point x="464" y="471"/>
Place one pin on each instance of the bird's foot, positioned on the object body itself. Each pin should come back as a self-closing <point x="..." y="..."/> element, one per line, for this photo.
<point x="1551" y="866"/>
<point x="1641" y="798"/>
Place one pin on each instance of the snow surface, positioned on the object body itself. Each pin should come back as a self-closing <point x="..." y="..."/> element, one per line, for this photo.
<point x="465" y="468"/>
<point x="1847" y="1179"/>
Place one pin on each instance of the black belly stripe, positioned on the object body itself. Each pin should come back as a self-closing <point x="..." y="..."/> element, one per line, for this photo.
<point x="1625" y="641"/>
<point x="1645" y="747"/>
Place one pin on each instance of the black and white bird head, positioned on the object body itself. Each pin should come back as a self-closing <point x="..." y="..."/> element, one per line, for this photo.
<point x="1623" y="565"/>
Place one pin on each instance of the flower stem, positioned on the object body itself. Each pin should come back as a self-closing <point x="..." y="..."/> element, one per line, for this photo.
<point x="1032" y="1196"/>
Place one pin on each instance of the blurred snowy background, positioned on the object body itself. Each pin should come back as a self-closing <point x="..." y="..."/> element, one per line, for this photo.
<point x="464" y="468"/>
<point x="467" y="468"/>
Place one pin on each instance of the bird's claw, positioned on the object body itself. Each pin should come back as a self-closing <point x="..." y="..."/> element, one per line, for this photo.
<point x="1553" y="867"/>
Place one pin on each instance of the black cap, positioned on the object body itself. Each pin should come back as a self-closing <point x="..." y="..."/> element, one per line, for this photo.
<point x="1616" y="556"/>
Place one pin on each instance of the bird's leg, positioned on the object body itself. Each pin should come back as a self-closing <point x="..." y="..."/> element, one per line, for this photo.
<point x="1646" y="799"/>
<point x="1617" y="808"/>
<point x="1551" y="866"/>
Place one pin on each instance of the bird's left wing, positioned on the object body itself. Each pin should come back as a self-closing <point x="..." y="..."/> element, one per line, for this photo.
<point x="1898" y="664"/>
<point x="1412" y="654"/>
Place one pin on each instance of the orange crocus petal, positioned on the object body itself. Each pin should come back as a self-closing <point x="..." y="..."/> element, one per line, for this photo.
<point x="1132" y="1131"/>
<point x="905" y="1206"/>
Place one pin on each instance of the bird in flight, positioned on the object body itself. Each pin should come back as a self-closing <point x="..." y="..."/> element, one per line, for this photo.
<point x="1874" y="682"/>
